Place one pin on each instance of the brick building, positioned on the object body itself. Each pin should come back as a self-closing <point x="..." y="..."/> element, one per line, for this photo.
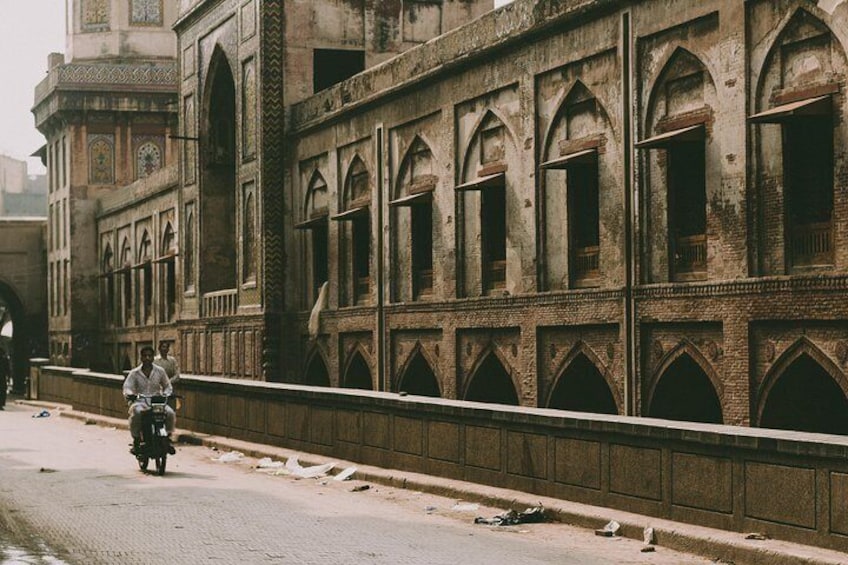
<point x="604" y="205"/>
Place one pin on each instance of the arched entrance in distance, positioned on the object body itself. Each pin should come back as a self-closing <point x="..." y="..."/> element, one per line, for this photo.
<point x="358" y="374"/>
<point x="805" y="397"/>
<point x="491" y="383"/>
<point x="582" y="388"/>
<point x="684" y="392"/>
<point x="316" y="372"/>
<point x="419" y="378"/>
<point x="19" y="349"/>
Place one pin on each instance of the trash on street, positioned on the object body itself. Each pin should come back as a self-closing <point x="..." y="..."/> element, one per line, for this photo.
<point x="512" y="517"/>
<point x="610" y="530"/>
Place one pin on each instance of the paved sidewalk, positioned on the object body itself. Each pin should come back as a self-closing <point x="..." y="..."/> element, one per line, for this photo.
<point x="717" y="545"/>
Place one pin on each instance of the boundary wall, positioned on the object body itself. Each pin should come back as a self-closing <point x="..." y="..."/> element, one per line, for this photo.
<point x="789" y="485"/>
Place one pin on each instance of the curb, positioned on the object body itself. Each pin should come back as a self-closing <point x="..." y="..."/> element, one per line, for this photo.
<point x="721" y="546"/>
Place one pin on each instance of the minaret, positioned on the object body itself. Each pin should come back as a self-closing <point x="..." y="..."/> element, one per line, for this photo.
<point x="106" y="109"/>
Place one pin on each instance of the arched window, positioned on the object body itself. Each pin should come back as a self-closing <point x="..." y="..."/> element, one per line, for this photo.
<point x="491" y="383"/>
<point x="357" y="237"/>
<point x="125" y="282"/>
<point x="218" y="239"/>
<point x="188" y="250"/>
<point x="358" y="374"/>
<point x="315" y="214"/>
<point x="419" y="379"/>
<point x="107" y="268"/>
<point x="144" y="280"/>
<point x="685" y="392"/>
<point x="582" y="388"/>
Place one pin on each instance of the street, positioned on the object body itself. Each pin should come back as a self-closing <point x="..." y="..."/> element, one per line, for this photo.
<point x="76" y="488"/>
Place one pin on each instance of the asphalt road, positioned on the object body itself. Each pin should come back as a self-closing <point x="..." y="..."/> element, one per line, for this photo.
<point x="75" y="488"/>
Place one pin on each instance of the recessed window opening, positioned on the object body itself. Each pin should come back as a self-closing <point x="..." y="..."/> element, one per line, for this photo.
<point x="583" y="222"/>
<point x="493" y="228"/>
<point x="361" y="257"/>
<point x="422" y="248"/>
<point x="808" y="174"/>
<point x="320" y="256"/>
<point x="687" y="210"/>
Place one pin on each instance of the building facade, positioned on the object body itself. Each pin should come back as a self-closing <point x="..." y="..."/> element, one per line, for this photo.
<point x="21" y="194"/>
<point x="597" y="205"/>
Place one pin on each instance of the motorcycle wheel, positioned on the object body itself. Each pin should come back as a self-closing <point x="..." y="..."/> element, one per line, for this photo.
<point x="160" y="464"/>
<point x="142" y="463"/>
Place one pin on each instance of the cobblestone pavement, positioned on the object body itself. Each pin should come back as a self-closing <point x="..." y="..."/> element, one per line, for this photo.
<point x="79" y="490"/>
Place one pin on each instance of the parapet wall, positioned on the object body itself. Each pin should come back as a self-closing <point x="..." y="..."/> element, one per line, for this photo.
<point x="789" y="485"/>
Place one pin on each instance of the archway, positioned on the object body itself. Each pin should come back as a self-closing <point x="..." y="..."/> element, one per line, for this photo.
<point x="806" y="398"/>
<point x="218" y="180"/>
<point x="419" y="378"/>
<point x="358" y="374"/>
<point x="685" y="392"/>
<point x="15" y="332"/>
<point x="492" y="383"/>
<point x="316" y="372"/>
<point x="582" y="388"/>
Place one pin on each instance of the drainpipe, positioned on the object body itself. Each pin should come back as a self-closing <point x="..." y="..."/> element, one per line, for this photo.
<point x="381" y="313"/>
<point x="629" y="216"/>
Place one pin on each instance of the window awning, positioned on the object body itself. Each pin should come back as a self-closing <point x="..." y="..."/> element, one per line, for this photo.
<point x="671" y="138"/>
<point x="166" y="257"/>
<point x="311" y="223"/>
<point x="348" y="215"/>
<point x="584" y="157"/>
<point x="483" y="183"/>
<point x="417" y="198"/>
<point x="819" y="106"/>
<point x="142" y="264"/>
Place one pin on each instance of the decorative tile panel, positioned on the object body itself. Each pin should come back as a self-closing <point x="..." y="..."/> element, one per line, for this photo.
<point x="146" y="12"/>
<point x="95" y="15"/>
<point x="149" y="155"/>
<point x="101" y="159"/>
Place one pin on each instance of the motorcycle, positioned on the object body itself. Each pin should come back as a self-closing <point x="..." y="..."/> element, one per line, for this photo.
<point x="155" y="443"/>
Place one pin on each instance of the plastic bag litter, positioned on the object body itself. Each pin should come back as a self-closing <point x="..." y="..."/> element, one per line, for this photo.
<point x="345" y="475"/>
<point x="293" y="466"/>
<point x="532" y="515"/>
<point x="465" y="507"/>
<point x="610" y="530"/>
<point x="42" y="414"/>
<point x="229" y="457"/>
<point x="268" y="463"/>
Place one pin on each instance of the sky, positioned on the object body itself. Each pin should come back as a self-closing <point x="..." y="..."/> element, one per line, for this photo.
<point x="29" y="31"/>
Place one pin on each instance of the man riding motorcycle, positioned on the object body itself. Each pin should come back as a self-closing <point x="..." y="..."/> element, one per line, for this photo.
<point x="147" y="379"/>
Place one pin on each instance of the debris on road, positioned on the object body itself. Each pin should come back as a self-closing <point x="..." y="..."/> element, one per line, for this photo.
<point x="648" y="549"/>
<point x="648" y="535"/>
<point x="465" y="507"/>
<point x="315" y="472"/>
<point x="511" y="517"/>
<point x="429" y="509"/>
<point x="360" y="488"/>
<point x="46" y="470"/>
<point x="610" y="530"/>
<point x="345" y="475"/>
<point x="230" y="457"/>
<point x="42" y="414"/>
<point x="757" y="536"/>
<point x="268" y="463"/>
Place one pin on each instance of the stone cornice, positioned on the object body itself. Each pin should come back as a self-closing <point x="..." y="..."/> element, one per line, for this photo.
<point x="190" y="13"/>
<point x="742" y="287"/>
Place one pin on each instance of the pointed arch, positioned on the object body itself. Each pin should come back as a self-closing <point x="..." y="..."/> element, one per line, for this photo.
<point x="169" y="240"/>
<point x="488" y="119"/>
<point x="491" y="381"/>
<point x="417" y="375"/>
<point x="578" y="92"/>
<point x="218" y="207"/>
<point x="686" y="387"/>
<point x="357" y="186"/>
<point x="145" y="247"/>
<point x="678" y="61"/>
<point x="126" y="252"/>
<point x="316" y="373"/>
<point x="316" y="202"/>
<point x="357" y="372"/>
<point x="816" y="394"/>
<point x="107" y="264"/>
<point x="583" y="384"/>
<point x="416" y="168"/>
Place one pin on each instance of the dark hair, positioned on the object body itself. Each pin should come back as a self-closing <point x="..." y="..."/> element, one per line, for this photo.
<point x="147" y="348"/>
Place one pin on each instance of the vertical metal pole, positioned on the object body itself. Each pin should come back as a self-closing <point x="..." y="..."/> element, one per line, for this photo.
<point x="629" y="213"/>
<point x="381" y="320"/>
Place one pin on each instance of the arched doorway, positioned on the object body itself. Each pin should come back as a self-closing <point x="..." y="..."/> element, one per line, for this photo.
<point x="316" y="372"/>
<point x="419" y="378"/>
<point x="15" y="335"/>
<point x="806" y="398"/>
<point x="685" y="392"/>
<point x="218" y="242"/>
<point x="582" y="388"/>
<point x="492" y="383"/>
<point x="358" y="374"/>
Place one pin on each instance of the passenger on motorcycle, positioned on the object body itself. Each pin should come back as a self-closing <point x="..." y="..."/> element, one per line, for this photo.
<point x="146" y="379"/>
